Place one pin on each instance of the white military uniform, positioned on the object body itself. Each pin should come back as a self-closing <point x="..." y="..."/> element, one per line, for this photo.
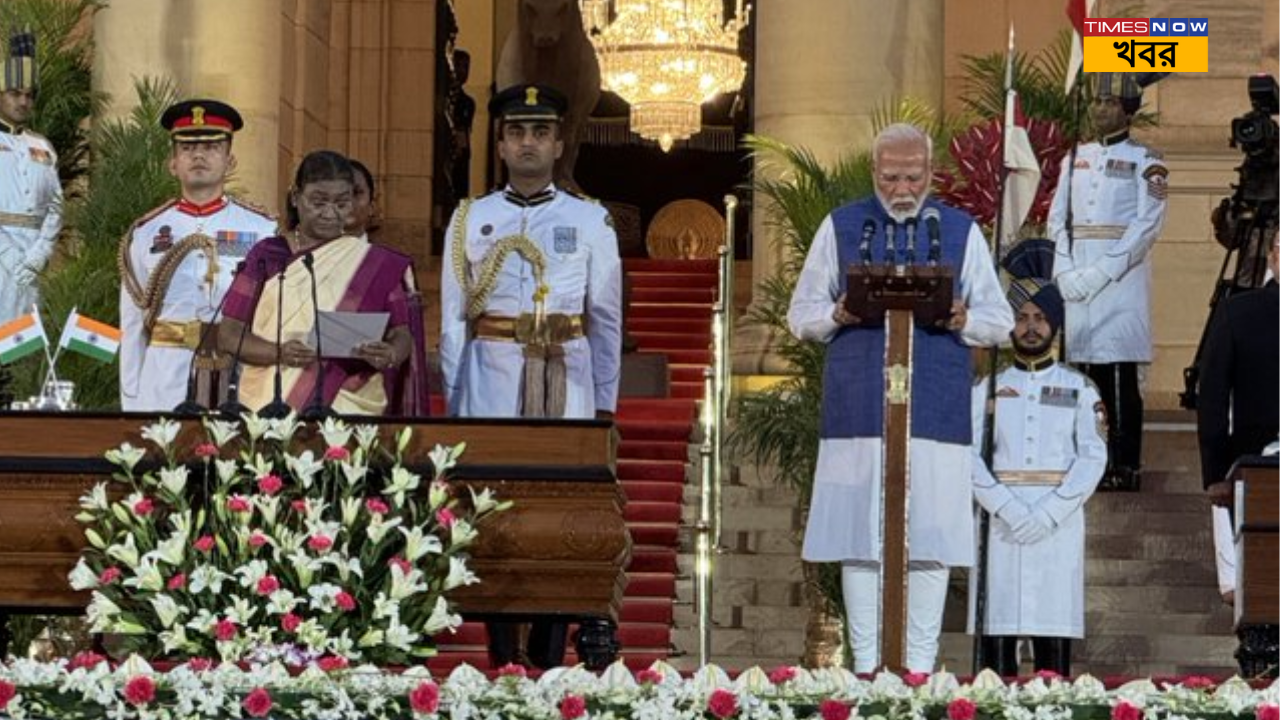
<point x="483" y="377"/>
<point x="156" y="362"/>
<point x="30" y="215"/>
<point x="1049" y="452"/>
<point x="1118" y="199"/>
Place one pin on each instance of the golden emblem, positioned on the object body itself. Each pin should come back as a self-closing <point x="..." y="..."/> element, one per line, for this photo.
<point x="899" y="391"/>
<point x="531" y="96"/>
<point x="197" y="115"/>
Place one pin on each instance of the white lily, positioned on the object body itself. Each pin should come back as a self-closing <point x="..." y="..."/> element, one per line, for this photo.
<point x="251" y="573"/>
<point x="181" y="524"/>
<point x="101" y="612"/>
<point x="400" y="636"/>
<point x="385" y="607"/>
<point x="403" y="438"/>
<point x="222" y="431"/>
<point x="167" y="610"/>
<point x="403" y="586"/>
<point x="483" y="501"/>
<point x="227" y="471"/>
<point x="324" y="597"/>
<point x="162" y="433"/>
<point x="461" y="534"/>
<point x="378" y="528"/>
<point x="96" y="498"/>
<point x="346" y="566"/>
<point x="459" y="574"/>
<point x="371" y="638"/>
<point x="147" y="577"/>
<point x="441" y="618"/>
<point x="82" y="577"/>
<point x="444" y="457"/>
<point x="269" y="506"/>
<point x="259" y="465"/>
<point x="312" y="634"/>
<point x="282" y="601"/>
<point x="284" y="428"/>
<point x="126" y="456"/>
<point x="206" y="577"/>
<point x="354" y="472"/>
<point x="126" y="552"/>
<point x="418" y="544"/>
<point x="438" y="494"/>
<point x="171" y="550"/>
<point x="175" y="639"/>
<point x="304" y="467"/>
<point x="402" y="481"/>
<point x="305" y="565"/>
<point x="255" y="426"/>
<point x="350" y="510"/>
<point x="241" y="611"/>
<point x="335" y="432"/>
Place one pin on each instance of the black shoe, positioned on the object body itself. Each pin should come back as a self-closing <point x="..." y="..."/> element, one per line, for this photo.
<point x="1121" y="479"/>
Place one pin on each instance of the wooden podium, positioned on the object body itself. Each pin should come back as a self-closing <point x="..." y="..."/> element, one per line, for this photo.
<point x="898" y="297"/>
<point x="1257" y="521"/>
<point x="560" y="552"/>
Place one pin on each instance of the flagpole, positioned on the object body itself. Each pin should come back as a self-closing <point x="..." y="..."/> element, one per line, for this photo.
<point x="52" y="373"/>
<point x="988" y="415"/>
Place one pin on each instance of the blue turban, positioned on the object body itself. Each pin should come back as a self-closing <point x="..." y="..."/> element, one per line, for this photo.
<point x="1030" y="267"/>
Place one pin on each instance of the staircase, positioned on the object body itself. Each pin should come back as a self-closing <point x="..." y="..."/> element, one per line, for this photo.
<point x="1151" y="591"/>
<point x="669" y="312"/>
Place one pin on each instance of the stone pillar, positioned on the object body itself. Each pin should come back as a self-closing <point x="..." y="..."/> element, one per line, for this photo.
<point x="228" y="50"/>
<point x="820" y="74"/>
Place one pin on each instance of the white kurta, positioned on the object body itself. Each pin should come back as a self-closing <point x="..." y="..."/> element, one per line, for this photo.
<point x="1046" y="420"/>
<point x="1118" y="200"/>
<point x="844" y="516"/>
<point x="583" y="272"/>
<point x="154" y="379"/>
<point x="30" y="216"/>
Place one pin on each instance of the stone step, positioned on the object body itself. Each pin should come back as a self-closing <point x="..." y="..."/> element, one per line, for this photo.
<point x="1112" y="572"/>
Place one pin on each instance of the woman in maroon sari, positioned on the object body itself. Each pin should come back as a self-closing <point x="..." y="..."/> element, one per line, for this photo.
<point x="384" y="377"/>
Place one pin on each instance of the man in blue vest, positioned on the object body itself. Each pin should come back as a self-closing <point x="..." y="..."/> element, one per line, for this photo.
<point x="844" y="516"/>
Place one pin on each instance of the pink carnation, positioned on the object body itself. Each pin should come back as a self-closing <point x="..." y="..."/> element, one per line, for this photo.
<point x="239" y="504"/>
<point x="329" y="663"/>
<point x="1047" y="675"/>
<point x="224" y="630"/>
<point x="199" y="664"/>
<point x="7" y="692"/>
<point x="915" y="679"/>
<point x="258" y="703"/>
<point x="109" y="576"/>
<point x="834" y="710"/>
<point x="336" y="452"/>
<point x="206" y="450"/>
<point x="268" y="584"/>
<point x="404" y="565"/>
<point x="177" y="582"/>
<point x="144" y="507"/>
<point x="290" y="622"/>
<point x="512" y="670"/>
<point x="257" y="539"/>
<point x="1264" y="712"/>
<point x="319" y="543"/>
<point x="1125" y="711"/>
<point x="445" y="517"/>
<point x="782" y="674"/>
<point x="345" y="601"/>
<point x="376" y="506"/>
<point x="86" y="659"/>
<point x="299" y="505"/>
<point x="1198" y="682"/>
<point x="140" y="690"/>
<point x="270" y="484"/>
<point x="204" y="543"/>
<point x="723" y="704"/>
<point x="573" y="707"/>
<point x="648" y="677"/>
<point x="425" y="698"/>
<point x="962" y="709"/>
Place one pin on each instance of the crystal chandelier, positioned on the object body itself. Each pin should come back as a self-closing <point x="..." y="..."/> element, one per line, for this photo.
<point x="666" y="58"/>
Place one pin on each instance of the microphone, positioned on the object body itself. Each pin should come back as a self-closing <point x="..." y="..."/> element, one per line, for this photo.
<point x="910" y="224"/>
<point x="232" y="408"/>
<point x="864" y="246"/>
<point x="316" y="410"/>
<point x="890" y="242"/>
<point x="190" y="406"/>
<point x="935" y="235"/>
<point x="278" y="409"/>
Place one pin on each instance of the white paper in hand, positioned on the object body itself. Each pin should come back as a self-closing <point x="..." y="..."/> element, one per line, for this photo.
<point x="342" y="332"/>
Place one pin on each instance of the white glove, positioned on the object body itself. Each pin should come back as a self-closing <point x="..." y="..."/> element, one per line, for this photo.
<point x="1015" y="514"/>
<point x="1071" y="283"/>
<point x="25" y="275"/>
<point x="1037" y="527"/>
<point x="1093" y="279"/>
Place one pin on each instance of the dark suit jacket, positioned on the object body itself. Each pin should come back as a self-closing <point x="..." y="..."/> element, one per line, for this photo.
<point x="1239" y="408"/>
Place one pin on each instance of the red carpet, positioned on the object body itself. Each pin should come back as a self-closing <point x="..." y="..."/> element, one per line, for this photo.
<point x="669" y="313"/>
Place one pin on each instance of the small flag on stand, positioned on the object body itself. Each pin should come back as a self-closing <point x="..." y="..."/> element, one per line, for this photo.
<point x="21" y="337"/>
<point x="89" y="337"/>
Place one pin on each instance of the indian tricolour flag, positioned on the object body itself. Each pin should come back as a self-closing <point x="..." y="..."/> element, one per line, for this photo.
<point x="21" y="337"/>
<point x="89" y="337"/>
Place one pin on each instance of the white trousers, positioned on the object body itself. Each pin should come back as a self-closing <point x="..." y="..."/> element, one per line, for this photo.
<point x="1224" y="550"/>
<point x="926" y="598"/>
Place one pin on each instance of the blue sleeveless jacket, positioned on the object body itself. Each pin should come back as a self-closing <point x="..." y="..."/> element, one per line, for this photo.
<point x="853" y="379"/>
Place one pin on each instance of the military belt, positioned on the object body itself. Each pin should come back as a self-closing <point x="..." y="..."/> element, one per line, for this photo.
<point x="1031" y="477"/>
<point x="30" y="222"/>
<point x="177" y="333"/>
<point x="559" y="328"/>
<point x="1098" y="232"/>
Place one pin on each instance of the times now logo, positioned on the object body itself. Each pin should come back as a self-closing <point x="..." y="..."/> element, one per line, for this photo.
<point x="1146" y="27"/>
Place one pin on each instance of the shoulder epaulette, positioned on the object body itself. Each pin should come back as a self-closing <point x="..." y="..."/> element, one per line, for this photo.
<point x="1153" y="153"/>
<point x="148" y="215"/>
<point x="581" y="196"/>
<point x="254" y="208"/>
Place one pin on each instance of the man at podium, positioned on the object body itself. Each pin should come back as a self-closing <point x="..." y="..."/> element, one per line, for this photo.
<point x="897" y="227"/>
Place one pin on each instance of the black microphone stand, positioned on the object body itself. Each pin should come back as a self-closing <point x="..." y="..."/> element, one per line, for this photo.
<point x="190" y="407"/>
<point x="316" y="410"/>
<point x="232" y="408"/>
<point x="278" y="408"/>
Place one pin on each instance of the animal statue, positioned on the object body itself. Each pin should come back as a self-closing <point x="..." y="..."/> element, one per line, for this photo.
<point x="549" y="46"/>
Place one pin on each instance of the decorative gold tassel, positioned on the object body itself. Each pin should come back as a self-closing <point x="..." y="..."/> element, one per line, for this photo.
<point x="534" y="391"/>
<point x="557" y="381"/>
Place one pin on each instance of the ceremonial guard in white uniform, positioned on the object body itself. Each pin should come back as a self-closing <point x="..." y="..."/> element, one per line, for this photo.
<point x="177" y="262"/>
<point x="30" y="193"/>
<point x="531" y="306"/>
<point x="1106" y="215"/>
<point x="1048" y="454"/>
